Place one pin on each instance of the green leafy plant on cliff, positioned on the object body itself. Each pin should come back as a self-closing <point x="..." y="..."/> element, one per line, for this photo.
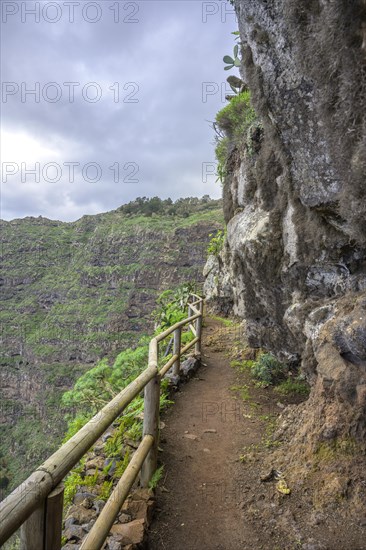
<point x="216" y="243"/>
<point x="232" y="125"/>
<point x="232" y="61"/>
<point x="172" y="306"/>
<point x="236" y="117"/>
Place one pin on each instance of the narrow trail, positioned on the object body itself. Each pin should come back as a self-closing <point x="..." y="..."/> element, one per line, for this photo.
<point x="199" y="504"/>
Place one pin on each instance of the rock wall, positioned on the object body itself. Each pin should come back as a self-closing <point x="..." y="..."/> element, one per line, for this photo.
<point x="294" y="262"/>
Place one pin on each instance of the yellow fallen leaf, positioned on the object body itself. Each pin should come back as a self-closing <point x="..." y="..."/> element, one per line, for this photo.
<point x="282" y="487"/>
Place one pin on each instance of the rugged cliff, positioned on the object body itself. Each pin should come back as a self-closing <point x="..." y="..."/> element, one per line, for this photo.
<point x="75" y="292"/>
<point x="294" y="262"/>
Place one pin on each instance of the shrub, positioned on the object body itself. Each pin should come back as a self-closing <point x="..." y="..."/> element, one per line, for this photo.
<point x="232" y="125"/>
<point x="216" y="243"/>
<point x="268" y="369"/>
<point x="235" y="118"/>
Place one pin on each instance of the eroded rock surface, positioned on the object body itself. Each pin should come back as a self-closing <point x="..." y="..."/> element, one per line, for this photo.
<point x="294" y="264"/>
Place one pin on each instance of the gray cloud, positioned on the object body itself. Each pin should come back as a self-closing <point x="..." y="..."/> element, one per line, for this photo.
<point x="166" y="57"/>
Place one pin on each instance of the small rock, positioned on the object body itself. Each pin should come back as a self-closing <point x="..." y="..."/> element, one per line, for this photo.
<point x="129" y="533"/>
<point x="74" y="532"/>
<point x="113" y="544"/>
<point x="142" y="494"/>
<point x="280" y="405"/>
<point x="81" y="515"/>
<point x="141" y="509"/>
<point x="98" y="506"/>
<point x="96" y="463"/>
<point x="80" y="497"/>
<point x="268" y="476"/>
<point x="191" y="436"/>
<point x="124" y="518"/>
<point x="88" y="502"/>
<point x="69" y="522"/>
<point x="210" y="431"/>
<point x="87" y="526"/>
<point x="106" y="436"/>
<point x="206" y="450"/>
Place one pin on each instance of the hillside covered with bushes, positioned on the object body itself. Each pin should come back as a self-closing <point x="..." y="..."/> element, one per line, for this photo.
<point x="76" y="293"/>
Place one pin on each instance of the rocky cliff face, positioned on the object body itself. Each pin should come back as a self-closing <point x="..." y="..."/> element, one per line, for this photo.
<point x="73" y="293"/>
<point x="294" y="263"/>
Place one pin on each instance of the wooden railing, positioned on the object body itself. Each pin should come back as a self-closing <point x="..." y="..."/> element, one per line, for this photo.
<point x="37" y="504"/>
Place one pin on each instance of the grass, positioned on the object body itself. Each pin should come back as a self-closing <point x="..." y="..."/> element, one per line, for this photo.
<point x="243" y="391"/>
<point x="226" y="322"/>
<point x="292" y="386"/>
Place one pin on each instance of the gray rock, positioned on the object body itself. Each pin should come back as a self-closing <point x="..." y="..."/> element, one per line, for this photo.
<point x="74" y="532"/>
<point x="295" y="206"/>
<point x="81" y="496"/>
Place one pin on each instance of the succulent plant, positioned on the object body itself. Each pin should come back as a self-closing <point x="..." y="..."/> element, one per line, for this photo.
<point x="232" y="61"/>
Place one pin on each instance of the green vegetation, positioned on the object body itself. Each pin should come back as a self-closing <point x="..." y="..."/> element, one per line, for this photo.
<point x="216" y="243"/>
<point x="76" y="294"/>
<point x="232" y="127"/>
<point x="99" y="385"/>
<point x="268" y="369"/>
<point x="293" y="386"/>
<point x="232" y="61"/>
<point x="226" y="322"/>
<point x="236" y="118"/>
<point x="167" y="313"/>
<point x="336" y="448"/>
<point x="158" y="474"/>
<point x="181" y="207"/>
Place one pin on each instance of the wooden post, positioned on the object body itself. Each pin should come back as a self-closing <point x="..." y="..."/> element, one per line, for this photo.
<point x="151" y="417"/>
<point x="53" y="521"/>
<point x="199" y="330"/>
<point x="32" y="530"/>
<point x="176" y="351"/>
<point x="43" y="529"/>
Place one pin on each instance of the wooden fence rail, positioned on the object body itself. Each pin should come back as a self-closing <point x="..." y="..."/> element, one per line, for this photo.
<point x="36" y="505"/>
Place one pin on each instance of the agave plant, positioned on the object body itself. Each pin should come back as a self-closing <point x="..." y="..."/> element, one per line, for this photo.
<point x="232" y="61"/>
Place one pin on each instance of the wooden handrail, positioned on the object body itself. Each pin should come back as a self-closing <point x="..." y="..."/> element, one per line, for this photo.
<point x="171" y="329"/>
<point x="27" y="498"/>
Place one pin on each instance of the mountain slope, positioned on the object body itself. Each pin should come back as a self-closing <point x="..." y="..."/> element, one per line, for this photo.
<point x="75" y="292"/>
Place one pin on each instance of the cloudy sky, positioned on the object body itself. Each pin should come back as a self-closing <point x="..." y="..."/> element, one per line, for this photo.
<point x="109" y="100"/>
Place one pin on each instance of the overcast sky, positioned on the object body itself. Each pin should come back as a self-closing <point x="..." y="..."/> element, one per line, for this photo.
<point x="106" y="101"/>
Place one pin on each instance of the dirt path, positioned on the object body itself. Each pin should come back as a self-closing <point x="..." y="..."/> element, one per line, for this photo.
<point x="199" y="505"/>
<point x="217" y="444"/>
